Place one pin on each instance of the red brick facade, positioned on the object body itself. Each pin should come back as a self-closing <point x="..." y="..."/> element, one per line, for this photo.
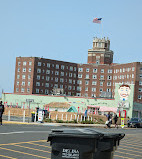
<point x="35" y="75"/>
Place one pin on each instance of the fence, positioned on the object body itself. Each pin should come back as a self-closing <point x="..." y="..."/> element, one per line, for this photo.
<point x="25" y="115"/>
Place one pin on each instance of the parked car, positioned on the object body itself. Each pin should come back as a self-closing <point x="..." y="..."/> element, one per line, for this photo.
<point x="134" y="122"/>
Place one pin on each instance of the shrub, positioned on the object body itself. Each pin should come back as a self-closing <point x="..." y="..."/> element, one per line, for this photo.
<point x="48" y="120"/>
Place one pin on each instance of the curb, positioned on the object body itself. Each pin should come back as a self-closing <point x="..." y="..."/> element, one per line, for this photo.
<point x="60" y="124"/>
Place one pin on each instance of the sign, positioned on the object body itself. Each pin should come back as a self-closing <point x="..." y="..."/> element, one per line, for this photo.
<point x="40" y="115"/>
<point x="70" y="153"/>
<point x="29" y="100"/>
<point x="122" y="122"/>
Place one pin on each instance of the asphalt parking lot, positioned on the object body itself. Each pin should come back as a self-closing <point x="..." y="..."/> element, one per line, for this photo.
<point x="30" y="142"/>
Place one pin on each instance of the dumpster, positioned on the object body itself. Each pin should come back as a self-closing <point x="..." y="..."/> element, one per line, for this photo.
<point x="83" y="144"/>
<point x="73" y="143"/>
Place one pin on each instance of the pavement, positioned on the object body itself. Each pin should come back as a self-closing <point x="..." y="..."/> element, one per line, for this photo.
<point x="62" y="124"/>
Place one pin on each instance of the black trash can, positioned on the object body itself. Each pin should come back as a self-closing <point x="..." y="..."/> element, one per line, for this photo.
<point x="83" y="144"/>
<point x="33" y="117"/>
<point x="73" y="143"/>
<point x="107" y="145"/>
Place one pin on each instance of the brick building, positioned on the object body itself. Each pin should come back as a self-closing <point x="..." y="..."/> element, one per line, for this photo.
<point x="97" y="78"/>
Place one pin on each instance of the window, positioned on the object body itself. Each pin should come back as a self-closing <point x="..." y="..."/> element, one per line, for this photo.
<point x="47" y="78"/>
<point x="120" y="70"/>
<point x="61" y="80"/>
<point x="87" y="82"/>
<point x="24" y="69"/>
<point x="29" y="83"/>
<point x="46" y="91"/>
<point x="141" y="69"/>
<point x="140" y="89"/>
<point x="37" y="83"/>
<point x="30" y="63"/>
<point x="43" y="64"/>
<point x="94" y="82"/>
<point x="108" y="83"/>
<point x="69" y="87"/>
<point x="48" y="65"/>
<point x="30" y="69"/>
<point x="102" y="77"/>
<point x="74" y="75"/>
<point x="74" y="68"/>
<point x="93" y="89"/>
<point x="24" y="63"/>
<point x="87" y="76"/>
<point x="18" y="76"/>
<point x="133" y="68"/>
<point x="28" y="90"/>
<point x="56" y="79"/>
<point x="87" y="69"/>
<point x="80" y="69"/>
<point x="93" y="95"/>
<point x="23" y="76"/>
<point x="70" y="74"/>
<point x="56" y="85"/>
<point x="17" y="83"/>
<point x="46" y="84"/>
<point x="38" y="70"/>
<point x="73" y="81"/>
<point x="109" y="70"/>
<point x="101" y="83"/>
<point x="47" y="71"/>
<point x="95" y="70"/>
<point x="23" y="83"/>
<point x="101" y="89"/>
<point x="42" y="77"/>
<point x="132" y="75"/>
<point x="79" y="75"/>
<point x="123" y="69"/>
<point x="29" y="76"/>
<point x="17" y="89"/>
<point x="62" y="67"/>
<point x="86" y="88"/>
<point x="37" y="90"/>
<point x="139" y="96"/>
<point x="102" y="70"/>
<point x="56" y="72"/>
<point x="71" y="68"/>
<point x="94" y="76"/>
<point x="79" y="82"/>
<point x="62" y="73"/>
<point x="61" y="86"/>
<point x="22" y="89"/>
<point x="78" y="94"/>
<point x="57" y="66"/>
<point x="18" y="69"/>
<point x="38" y="77"/>
<point x="39" y="63"/>
<point x="19" y="63"/>
<point x="108" y="90"/>
<point x="43" y="71"/>
<point x="140" y="75"/>
<point x="109" y="77"/>
<point x="140" y="83"/>
<point x="70" y="81"/>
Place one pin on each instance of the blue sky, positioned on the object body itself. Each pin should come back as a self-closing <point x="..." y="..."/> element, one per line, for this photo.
<point x="63" y="30"/>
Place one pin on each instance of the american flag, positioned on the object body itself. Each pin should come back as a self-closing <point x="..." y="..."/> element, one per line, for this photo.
<point x="97" y="20"/>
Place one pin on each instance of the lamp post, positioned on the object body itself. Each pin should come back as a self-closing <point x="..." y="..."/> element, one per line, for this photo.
<point x="29" y="101"/>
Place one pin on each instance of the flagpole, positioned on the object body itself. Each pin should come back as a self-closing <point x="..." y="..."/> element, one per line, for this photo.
<point x="101" y="30"/>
